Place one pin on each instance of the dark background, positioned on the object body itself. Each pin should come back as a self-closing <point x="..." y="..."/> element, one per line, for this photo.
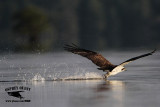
<point x="46" y="25"/>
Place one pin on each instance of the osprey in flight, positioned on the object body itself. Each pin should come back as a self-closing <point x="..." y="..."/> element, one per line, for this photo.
<point x="100" y="61"/>
<point x="16" y="94"/>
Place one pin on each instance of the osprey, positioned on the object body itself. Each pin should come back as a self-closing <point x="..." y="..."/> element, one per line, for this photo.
<point x="16" y="94"/>
<point x="100" y="61"/>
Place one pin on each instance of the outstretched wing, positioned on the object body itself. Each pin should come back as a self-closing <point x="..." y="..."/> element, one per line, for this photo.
<point x="96" y="58"/>
<point x="135" y="58"/>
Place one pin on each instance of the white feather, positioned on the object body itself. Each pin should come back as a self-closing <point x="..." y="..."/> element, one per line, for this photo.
<point x="117" y="70"/>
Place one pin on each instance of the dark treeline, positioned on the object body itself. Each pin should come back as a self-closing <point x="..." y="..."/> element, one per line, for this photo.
<point x="27" y="25"/>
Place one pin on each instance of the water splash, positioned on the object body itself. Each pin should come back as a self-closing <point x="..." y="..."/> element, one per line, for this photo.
<point x="64" y="72"/>
<point x="38" y="77"/>
<point x="43" y="71"/>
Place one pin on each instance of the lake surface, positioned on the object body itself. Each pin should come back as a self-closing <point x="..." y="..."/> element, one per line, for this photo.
<point x="54" y="81"/>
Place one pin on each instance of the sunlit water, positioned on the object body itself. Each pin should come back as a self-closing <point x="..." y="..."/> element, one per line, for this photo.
<point x="55" y="81"/>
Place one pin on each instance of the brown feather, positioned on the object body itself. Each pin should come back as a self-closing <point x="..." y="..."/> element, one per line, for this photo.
<point x="96" y="58"/>
<point x="135" y="58"/>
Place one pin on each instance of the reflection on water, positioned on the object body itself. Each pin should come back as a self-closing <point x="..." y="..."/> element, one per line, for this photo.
<point x="87" y="93"/>
<point x="102" y="93"/>
<point x="137" y="87"/>
<point x="110" y="85"/>
<point x="112" y="90"/>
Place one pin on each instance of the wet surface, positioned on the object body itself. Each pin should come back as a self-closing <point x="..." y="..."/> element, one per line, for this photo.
<point x="137" y="87"/>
